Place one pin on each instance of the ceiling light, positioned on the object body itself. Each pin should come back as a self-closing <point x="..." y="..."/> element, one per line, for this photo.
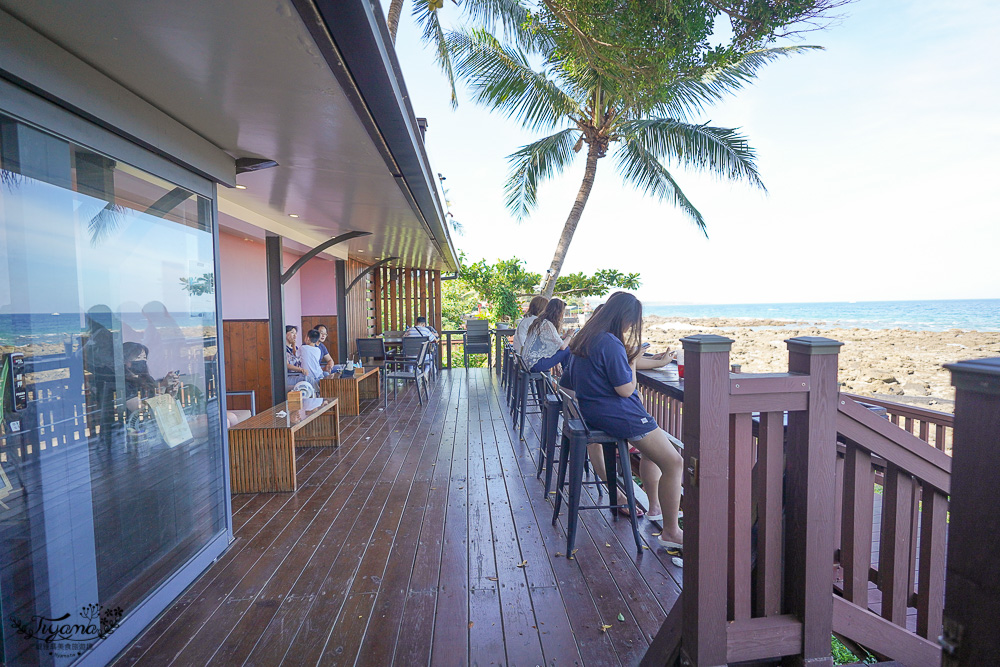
<point x="361" y="251"/>
<point x="241" y="187"/>
<point x="293" y="215"/>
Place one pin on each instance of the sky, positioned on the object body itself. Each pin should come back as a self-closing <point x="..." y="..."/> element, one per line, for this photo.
<point x="878" y="153"/>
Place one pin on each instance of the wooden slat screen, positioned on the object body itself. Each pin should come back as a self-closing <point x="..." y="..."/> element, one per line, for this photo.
<point x="360" y="306"/>
<point x="402" y="294"/>
<point x="247" y="362"/>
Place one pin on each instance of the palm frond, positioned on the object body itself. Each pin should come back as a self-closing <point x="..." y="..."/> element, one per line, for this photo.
<point x="107" y="221"/>
<point x="501" y="77"/>
<point x="432" y="33"/>
<point x="534" y="162"/>
<point x="687" y="96"/>
<point x="640" y="167"/>
<point x="719" y="150"/>
<point x="519" y="25"/>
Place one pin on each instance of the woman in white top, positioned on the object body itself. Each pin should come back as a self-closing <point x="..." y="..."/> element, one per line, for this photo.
<point x="543" y="347"/>
<point x="535" y="308"/>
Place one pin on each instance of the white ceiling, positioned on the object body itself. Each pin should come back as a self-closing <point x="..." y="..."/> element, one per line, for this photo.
<point x="248" y="77"/>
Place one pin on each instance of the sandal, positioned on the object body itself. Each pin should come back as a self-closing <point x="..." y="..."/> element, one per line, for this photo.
<point x="623" y="511"/>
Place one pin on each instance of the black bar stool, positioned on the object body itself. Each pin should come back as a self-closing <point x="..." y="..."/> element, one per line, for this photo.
<point x="575" y="439"/>
<point x="551" y="413"/>
<point x="527" y="393"/>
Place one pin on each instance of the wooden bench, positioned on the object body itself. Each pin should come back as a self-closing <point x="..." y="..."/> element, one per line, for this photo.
<point x="262" y="448"/>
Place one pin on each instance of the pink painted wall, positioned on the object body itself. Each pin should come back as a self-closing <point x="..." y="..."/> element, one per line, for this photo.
<point x="242" y="278"/>
<point x="319" y="287"/>
<point x="244" y="286"/>
<point x="293" y="296"/>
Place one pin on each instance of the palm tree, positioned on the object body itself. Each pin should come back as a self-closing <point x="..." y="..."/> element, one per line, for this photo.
<point x="589" y="108"/>
<point x="508" y="16"/>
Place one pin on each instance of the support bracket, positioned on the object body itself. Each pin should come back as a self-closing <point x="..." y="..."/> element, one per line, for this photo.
<point x="368" y="270"/>
<point x="294" y="268"/>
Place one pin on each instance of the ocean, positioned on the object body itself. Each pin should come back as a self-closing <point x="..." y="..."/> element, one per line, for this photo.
<point x="967" y="314"/>
<point x="24" y="328"/>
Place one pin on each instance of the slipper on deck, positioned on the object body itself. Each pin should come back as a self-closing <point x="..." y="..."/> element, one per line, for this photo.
<point x="623" y="511"/>
<point x="668" y="544"/>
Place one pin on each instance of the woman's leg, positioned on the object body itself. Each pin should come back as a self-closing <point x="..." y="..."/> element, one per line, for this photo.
<point x="649" y="473"/>
<point x="655" y="447"/>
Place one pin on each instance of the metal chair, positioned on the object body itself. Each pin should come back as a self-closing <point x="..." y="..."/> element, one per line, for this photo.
<point x="576" y="436"/>
<point x="372" y="348"/>
<point x="477" y="340"/>
<point x="408" y="369"/>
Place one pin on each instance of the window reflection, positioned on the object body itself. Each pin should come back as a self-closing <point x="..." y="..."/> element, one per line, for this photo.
<point x="112" y="469"/>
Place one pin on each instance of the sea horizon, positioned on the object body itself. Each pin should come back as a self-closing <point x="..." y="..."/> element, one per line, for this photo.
<point x="915" y="315"/>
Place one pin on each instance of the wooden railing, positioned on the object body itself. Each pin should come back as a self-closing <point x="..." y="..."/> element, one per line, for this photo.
<point x="788" y="457"/>
<point x="908" y="527"/>
<point x="932" y="426"/>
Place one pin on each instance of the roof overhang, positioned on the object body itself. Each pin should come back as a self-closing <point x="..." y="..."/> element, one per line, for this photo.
<point x="312" y="84"/>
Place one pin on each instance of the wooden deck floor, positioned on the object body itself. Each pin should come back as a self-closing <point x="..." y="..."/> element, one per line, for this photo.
<point x="403" y="546"/>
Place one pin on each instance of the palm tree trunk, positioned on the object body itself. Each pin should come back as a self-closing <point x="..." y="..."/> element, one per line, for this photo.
<point x="395" y="9"/>
<point x="549" y="285"/>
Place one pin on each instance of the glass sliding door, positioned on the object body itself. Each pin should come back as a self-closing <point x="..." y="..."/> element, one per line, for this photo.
<point x="110" y="442"/>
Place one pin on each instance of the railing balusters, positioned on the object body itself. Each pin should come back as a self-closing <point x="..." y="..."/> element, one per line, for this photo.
<point x="771" y="464"/>
<point x="894" y="548"/>
<point x="933" y="532"/>
<point x="740" y="463"/>
<point x="856" y="549"/>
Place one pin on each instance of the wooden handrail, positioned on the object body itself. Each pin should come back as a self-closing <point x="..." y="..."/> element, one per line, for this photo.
<point x="917" y="421"/>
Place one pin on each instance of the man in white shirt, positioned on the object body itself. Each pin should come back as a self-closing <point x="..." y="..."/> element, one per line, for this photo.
<point x="311" y="355"/>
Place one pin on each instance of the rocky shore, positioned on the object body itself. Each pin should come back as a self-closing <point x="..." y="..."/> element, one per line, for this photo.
<point x="895" y="364"/>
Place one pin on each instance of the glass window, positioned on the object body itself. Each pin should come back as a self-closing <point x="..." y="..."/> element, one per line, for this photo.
<point x="110" y="441"/>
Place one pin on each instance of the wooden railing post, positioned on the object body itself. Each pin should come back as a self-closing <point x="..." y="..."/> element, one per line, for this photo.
<point x="811" y="487"/>
<point x="972" y="601"/>
<point x="706" y="499"/>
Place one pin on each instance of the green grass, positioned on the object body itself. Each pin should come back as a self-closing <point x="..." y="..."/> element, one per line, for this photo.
<point x="843" y="655"/>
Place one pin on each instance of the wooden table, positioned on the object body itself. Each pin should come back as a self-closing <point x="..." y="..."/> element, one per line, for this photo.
<point x="262" y="448"/>
<point x="349" y="391"/>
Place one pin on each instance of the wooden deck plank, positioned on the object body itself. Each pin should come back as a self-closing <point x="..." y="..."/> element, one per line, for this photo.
<point x="248" y="592"/>
<point x="414" y="648"/>
<point x="451" y="621"/>
<point x="389" y="549"/>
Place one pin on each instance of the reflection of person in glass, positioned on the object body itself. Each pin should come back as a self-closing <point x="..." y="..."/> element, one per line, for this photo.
<point x="97" y="353"/>
<point x="139" y="384"/>
<point x="163" y="334"/>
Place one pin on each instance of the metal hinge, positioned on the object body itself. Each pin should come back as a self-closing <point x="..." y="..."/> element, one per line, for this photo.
<point x="951" y="642"/>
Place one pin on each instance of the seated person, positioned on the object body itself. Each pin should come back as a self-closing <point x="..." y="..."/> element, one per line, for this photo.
<point x="325" y="359"/>
<point x="311" y="356"/>
<point x="535" y="308"/>
<point x="421" y="329"/>
<point x="139" y="384"/>
<point x="543" y="347"/>
<point x="294" y="372"/>
<point x="606" y="353"/>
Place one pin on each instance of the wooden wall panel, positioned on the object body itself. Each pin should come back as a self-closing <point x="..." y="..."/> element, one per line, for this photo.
<point x="247" y="362"/>
<point x="312" y="321"/>
<point x="401" y="295"/>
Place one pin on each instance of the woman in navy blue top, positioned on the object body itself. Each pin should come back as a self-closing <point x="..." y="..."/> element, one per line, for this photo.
<point x="606" y="353"/>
